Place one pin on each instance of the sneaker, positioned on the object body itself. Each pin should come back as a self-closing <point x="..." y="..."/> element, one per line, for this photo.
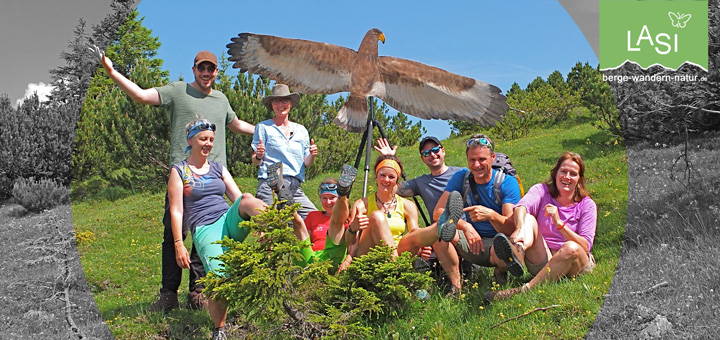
<point x="197" y="300"/>
<point x="275" y="176"/>
<point x="503" y="294"/>
<point x="347" y="177"/>
<point x="219" y="334"/>
<point x="166" y="301"/>
<point x="512" y="254"/>
<point x="500" y="276"/>
<point x="447" y="223"/>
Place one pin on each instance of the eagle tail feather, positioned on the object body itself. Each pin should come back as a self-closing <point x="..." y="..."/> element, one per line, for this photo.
<point x="353" y="115"/>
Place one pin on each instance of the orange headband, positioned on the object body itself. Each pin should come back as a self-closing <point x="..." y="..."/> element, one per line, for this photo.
<point x="389" y="163"/>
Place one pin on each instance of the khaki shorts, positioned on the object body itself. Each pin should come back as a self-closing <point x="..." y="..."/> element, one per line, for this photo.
<point x="482" y="259"/>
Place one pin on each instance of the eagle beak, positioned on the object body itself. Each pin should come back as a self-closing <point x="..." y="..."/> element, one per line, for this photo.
<point x="381" y="37"/>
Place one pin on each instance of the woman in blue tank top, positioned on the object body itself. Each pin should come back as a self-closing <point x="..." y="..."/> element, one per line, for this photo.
<point x="196" y="191"/>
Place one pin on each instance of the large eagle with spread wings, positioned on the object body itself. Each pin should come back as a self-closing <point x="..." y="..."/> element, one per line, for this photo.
<point x="408" y="86"/>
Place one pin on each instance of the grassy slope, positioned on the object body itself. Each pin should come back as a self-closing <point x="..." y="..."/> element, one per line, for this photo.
<point x="35" y="253"/>
<point x="672" y="237"/>
<point x="123" y="268"/>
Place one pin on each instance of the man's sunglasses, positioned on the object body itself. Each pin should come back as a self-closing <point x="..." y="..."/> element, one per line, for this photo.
<point x="202" y="68"/>
<point x="426" y="153"/>
<point x="479" y="141"/>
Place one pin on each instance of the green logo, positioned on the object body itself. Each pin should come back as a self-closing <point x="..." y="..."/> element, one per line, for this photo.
<point x="667" y="33"/>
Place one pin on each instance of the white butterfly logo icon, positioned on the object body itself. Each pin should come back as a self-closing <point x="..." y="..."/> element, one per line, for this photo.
<point x="679" y="20"/>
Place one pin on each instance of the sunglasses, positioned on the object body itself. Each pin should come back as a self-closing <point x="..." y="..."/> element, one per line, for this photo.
<point x="202" y="68"/>
<point x="205" y="126"/>
<point x="479" y="141"/>
<point x="426" y="153"/>
<point x="327" y="188"/>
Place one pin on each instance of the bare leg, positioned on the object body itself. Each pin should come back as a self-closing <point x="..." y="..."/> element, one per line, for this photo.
<point x="377" y="232"/>
<point x="340" y="213"/>
<point x="250" y="206"/>
<point x="420" y="237"/>
<point x="218" y="312"/>
<point x="570" y="260"/>
<point x="449" y="261"/>
<point x="532" y="241"/>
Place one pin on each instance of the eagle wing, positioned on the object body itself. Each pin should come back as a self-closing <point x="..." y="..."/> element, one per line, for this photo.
<point x="431" y="93"/>
<point x="305" y="66"/>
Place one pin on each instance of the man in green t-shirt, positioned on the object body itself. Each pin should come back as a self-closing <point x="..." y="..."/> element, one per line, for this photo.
<point x="184" y="103"/>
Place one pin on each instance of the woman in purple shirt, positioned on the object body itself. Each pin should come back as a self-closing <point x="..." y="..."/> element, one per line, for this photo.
<point x="554" y="226"/>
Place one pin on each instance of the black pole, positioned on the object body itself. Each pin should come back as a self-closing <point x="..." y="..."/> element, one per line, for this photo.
<point x="422" y="212"/>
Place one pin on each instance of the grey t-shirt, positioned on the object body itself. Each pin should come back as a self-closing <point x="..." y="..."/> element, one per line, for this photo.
<point x="430" y="187"/>
<point x="184" y="105"/>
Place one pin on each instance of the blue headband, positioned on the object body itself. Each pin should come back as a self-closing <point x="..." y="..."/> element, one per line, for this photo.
<point x="198" y="127"/>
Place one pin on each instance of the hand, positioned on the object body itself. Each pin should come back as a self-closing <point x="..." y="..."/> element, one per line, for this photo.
<point x="474" y="240"/>
<point x="313" y="148"/>
<point x="181" y="255"/>
<point x="344" y="264"/>
<point x="425" y="253"/>
<point x="479" y="213"/>
<point x="384" y="147"/>
<point x="100" y="56"/>
<point x="552" y="211"/>
<point x="260" y="150"/>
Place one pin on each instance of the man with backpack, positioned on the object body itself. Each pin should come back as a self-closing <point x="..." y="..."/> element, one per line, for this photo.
<point x="489" y="194"/>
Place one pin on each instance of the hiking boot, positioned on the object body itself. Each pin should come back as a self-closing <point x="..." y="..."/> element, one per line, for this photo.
<point x="197" y="300"/>
<point x="454" y="293"/>
<point x="503" y="294"/>
<point x="219" y="334"/>
<point x="275" y="182"/>
<point x="447" y="223"/>
<point x="167" y="300"/>
<point x="275" y="176"/>
<point x="500" y="276"/>
<point x="347" y="177"/>
<point x="512" y="254"/>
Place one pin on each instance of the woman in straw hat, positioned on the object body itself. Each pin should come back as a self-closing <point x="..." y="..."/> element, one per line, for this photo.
<point x="282" y="151"/>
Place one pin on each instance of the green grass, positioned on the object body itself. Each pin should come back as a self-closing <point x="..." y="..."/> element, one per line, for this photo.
<point x="122" y="262"/>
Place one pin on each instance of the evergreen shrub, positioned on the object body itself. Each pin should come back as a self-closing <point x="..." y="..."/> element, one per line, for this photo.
<point x="40" y="195"/>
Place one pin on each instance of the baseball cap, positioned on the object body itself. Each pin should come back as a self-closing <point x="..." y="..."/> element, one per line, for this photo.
<point x="205" y="56"/>
<point x="429" y="139"/>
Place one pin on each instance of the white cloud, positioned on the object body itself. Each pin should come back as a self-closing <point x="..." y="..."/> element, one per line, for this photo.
<point x="42" y="89"/>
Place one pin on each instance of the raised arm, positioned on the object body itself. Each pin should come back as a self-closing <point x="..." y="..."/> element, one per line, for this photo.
<point x="138" y="95"/>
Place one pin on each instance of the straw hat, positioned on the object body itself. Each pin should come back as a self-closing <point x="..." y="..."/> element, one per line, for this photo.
<point x="281" y="91"/>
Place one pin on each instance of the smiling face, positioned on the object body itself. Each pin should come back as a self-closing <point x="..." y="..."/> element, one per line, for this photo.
<point x="387" y="180"/>
<point x="433" y="160"/>
<point x="202" y="143"/>
<point x="480" y="161"/>
<point x="205" y="74"/>
<point x="567" y="177"/>
<point x="328" y="201"/>
<point x="281" y="106"/>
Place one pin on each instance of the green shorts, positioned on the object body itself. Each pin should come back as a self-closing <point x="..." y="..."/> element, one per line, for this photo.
<point x="225" y="226"/>
<point x="335" y="253"/>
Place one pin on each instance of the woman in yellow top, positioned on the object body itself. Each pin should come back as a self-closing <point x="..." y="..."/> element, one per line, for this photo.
<point x="385" y="216"/>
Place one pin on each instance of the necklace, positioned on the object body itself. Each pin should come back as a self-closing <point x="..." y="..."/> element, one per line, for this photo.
<point x="386" y="206"/>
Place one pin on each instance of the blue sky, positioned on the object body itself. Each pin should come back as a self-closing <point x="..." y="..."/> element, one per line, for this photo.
<point x="493" y="41"/>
